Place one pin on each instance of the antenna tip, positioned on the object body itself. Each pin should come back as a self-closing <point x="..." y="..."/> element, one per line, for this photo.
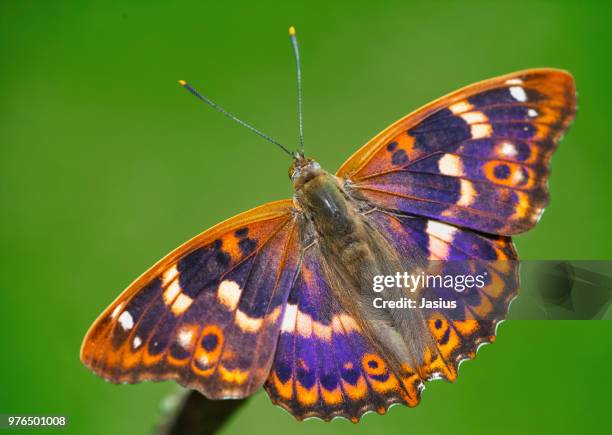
<point x="291" y="31"/>
<point x="182" y="82"/>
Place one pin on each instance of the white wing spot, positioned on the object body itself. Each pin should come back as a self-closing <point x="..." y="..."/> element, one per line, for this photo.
<point x="478" y="131"/>
<point x="532" y="113"/>
<point x="169" y="275"/>
<point x="440" y="230"/>
<point x="518" y="93"/>
<point x="184" y="338"/>
<point x="518" y="176"/>
<point x="181" y="304"/>
<point x="468" y="194"/>
<point x="440" y="237"/>
<point x="203" y="360"/>
<point x="460" y="107"/>
<point x="474" y="117"/>
<point x="450" y="164"/>
<point x="171" y="292"/>
<point x="229" y="293"/>
<point x="248" y="323"/>
<point x="289" y="317"/>
<point x="304" y="324"/>
<point x="479" y="124"/>
<point x="137" y="342"/>
<point x="126" y="321"/>
<point x="508" y="149"/>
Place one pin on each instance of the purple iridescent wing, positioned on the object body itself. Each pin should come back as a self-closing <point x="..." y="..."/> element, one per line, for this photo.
<point x="452" y="251"/>
<point x="477" y="158"/>
<point x="324" y="366"/>
<point x="208" y="315"/>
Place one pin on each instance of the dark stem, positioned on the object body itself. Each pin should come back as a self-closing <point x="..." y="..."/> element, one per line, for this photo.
<point x="197" y="415"/>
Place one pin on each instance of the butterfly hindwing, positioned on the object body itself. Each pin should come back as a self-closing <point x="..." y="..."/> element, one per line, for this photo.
<point x="208" y="314"/>
<point x="457" y="333"/>
<point x="477" y="158"/>
<point x="324" y="366"/>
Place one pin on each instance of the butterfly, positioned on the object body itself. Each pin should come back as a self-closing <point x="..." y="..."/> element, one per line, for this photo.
<point x="275" y="297"/>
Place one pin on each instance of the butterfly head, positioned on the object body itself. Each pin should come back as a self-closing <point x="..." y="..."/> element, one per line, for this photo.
<point x="302" y="170"/>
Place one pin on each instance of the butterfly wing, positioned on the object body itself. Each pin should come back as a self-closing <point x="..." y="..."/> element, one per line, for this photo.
<point x="477" y="158"/>
<point x="207" y="315"/>
<point x="324" y="366"/>
<point x="457" y="333"/>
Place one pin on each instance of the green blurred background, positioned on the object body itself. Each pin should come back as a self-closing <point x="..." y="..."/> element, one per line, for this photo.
<point x="107" y="164"/>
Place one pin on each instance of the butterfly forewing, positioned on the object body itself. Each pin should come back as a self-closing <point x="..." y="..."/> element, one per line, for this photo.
<point x="477" y="158"/>
<point x="208" y="314"/>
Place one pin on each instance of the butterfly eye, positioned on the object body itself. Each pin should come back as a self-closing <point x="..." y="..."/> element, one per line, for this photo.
<point x="291" y="171"/>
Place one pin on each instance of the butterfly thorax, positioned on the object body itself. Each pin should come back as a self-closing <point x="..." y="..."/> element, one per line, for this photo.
<point x="323" y="200"/>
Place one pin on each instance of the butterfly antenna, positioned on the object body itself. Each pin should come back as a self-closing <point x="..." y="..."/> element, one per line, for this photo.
<point x="212" y="104"/>
<point x="296" y="53"/>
